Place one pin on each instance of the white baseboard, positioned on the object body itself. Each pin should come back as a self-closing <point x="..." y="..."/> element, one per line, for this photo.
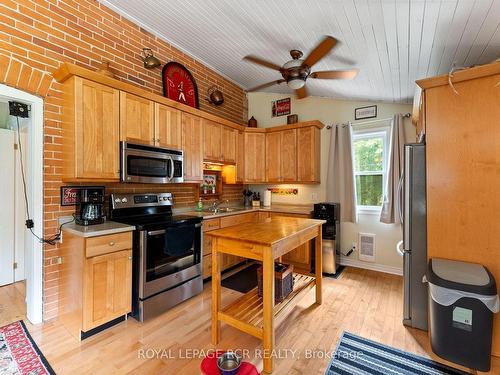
<point x="371" y="266"/>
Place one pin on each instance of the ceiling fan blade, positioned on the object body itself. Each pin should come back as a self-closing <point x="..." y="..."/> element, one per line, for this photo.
<point x="335" y="74"/>
<point x="266" y="85"/>
<point x="302" y="92"/>
<point x="320" y="51"/>
<point x="259" y="61"/>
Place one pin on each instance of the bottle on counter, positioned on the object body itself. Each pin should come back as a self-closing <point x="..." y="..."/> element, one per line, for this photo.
<point x="199" y="205"/>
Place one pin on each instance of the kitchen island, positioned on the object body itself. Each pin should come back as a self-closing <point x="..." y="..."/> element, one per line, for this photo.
<point x="265" y="242"/>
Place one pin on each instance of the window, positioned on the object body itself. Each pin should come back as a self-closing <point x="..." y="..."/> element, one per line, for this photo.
<point x="370" y="149"/>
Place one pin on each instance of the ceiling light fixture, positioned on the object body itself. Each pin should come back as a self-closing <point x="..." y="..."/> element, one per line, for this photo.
<point x="296" y="83"/>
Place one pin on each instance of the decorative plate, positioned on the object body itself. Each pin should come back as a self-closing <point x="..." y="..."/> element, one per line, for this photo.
<point x="179" y="84"/>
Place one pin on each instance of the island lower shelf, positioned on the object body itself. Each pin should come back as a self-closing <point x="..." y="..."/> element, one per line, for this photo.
<point x="246" y="313"/>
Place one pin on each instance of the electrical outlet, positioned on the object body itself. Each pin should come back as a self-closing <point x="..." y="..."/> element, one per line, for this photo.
<point x="314" y="197"/>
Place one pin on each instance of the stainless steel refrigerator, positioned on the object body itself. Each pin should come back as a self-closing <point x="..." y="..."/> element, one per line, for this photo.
<point x="413" y="248"/>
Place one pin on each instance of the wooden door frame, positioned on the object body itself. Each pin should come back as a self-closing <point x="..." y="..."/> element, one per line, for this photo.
<point x="33" y="258"/>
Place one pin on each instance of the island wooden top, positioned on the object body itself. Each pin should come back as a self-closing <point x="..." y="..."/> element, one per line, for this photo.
<point x="267" y="233"/>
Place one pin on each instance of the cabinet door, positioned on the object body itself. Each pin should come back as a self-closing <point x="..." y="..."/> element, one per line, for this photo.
<point x="308" y="154"/>
<point x="97" y="130"/>
<point x="240" y="158"/>
<point x="229" y="139"/>
<point x="255" y="157"/>
<point x="273" y="157"/>
<point x="192" y="145"/>
<point x="289" y="155"/>
<point x="168" y="127"/>
<point x="107" y="288"/>
<point x="212" y="141"/>
<point x="136" y="118"/>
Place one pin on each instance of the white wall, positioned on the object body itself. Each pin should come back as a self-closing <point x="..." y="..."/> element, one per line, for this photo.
<point x="332" y="111"/>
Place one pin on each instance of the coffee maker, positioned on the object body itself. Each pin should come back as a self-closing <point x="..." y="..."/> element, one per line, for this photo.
<point x="90" y="207"/>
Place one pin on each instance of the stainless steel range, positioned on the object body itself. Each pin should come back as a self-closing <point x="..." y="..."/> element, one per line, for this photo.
<point x="167" y="252"/>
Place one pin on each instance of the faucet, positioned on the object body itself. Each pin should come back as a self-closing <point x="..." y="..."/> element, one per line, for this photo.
<point x="216" y="203"/>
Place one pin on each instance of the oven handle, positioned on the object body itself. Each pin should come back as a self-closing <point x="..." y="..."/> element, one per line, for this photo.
<point x="162" y="231"/>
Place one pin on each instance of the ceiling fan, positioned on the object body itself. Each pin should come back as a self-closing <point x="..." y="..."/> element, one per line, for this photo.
<point x="296" y="71"/>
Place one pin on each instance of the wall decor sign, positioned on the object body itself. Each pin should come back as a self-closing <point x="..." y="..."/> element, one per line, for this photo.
<point x="365" y="112"/>
<point x="179" y="84"/>
<point x="281" y="107"/>
<point x="280" y="191"/>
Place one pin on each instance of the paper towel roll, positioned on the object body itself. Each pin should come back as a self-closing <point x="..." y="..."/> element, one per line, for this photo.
<point x="267" y="198"/>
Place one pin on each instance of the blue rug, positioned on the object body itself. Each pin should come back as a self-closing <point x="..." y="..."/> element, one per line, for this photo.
<point x="358" y="356"/>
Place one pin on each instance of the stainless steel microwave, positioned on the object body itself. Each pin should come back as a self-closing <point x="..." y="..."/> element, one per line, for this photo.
<point x="149" y="164"/>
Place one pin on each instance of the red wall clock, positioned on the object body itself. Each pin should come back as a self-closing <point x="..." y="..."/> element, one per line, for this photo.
<point x="179" y="84"/>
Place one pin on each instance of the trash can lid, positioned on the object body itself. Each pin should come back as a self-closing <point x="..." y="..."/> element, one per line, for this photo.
<point x="464" y="276"/>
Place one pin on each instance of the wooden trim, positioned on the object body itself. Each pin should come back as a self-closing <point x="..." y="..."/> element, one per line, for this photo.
<point x="461" y="75"/>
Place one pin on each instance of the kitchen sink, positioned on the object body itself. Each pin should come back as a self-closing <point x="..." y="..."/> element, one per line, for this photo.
<point x="221" y="210"/>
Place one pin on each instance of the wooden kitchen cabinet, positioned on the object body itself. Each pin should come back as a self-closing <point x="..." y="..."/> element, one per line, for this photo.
<point x="192" y="135"/>
<point x="91" y="131"/>
<point x="308" y="154"/>
<point x="255" y="157"/>
<point x="240" y="158"/>
<point x="107" y="288"/>
<point x="288" y="158"/>
<point x="273" y="157"/>
<point x="212" y="141"/>
<point x="168" y="127"/>
<point x="136" y="119"/>
<point x="94" y="290"/>
<point x="229" y="140"/>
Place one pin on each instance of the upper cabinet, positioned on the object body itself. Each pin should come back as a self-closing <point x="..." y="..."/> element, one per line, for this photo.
<point x="192" y="144"/>
<point x="289" y="155"/>
<point x="91" y="131"/>
<point x="136" y="119"/>
<point x="229" y="137"/>
<point x="211" y="141"/>
<point x="219" y="142"/>
<point x="240" y="158"/>
<point x="168" y="127"/>
<point x="273" y="157"/>
<point x="255" y="157"/>
<point x="308" y="154"/>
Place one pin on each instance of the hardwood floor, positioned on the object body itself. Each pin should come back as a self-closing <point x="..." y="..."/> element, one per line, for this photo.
<point x="363" y="302"/>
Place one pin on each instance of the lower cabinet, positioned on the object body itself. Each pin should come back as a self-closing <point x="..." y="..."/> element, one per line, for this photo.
<point x="96" y="280"/>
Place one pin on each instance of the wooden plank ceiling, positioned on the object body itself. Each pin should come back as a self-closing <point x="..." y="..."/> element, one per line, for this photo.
<point x="392" y="42"/>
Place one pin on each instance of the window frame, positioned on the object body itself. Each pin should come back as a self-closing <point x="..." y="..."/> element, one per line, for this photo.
<point x="379" y="131"/>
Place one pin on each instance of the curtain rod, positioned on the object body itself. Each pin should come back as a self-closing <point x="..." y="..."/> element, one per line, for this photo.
<point x="406" y="115"/>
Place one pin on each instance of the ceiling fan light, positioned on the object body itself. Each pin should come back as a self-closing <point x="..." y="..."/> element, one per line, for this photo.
<point x="293" y="64"/>
<point x="296" y="83"/>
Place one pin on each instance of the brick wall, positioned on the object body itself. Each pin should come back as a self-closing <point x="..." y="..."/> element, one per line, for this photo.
<point x="36" y="36"/>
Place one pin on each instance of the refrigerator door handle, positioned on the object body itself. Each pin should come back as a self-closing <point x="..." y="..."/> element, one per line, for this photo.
<point x="400" y="197"/>
<point x="406" y="285"/>
<point x="406" y="198"/>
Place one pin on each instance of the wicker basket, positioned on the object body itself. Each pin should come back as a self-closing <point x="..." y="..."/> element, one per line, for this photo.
<point x="283" y="281"/>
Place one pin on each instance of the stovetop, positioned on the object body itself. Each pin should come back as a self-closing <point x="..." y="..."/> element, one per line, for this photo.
<point x="148" y="222"/>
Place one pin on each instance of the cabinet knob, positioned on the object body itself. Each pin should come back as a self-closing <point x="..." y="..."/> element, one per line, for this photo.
<point x="112" y="243"/>
<point x="130" y="258"/>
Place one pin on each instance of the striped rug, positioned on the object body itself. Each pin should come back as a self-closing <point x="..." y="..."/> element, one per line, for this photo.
<point x="358" y="356"/>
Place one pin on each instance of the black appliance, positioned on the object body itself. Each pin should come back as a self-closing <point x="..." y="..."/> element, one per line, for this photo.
<point x="167" y="252"/>
<point x="331" y="234"/>
<point x="90" y="206"/>
<point x="150" y="164"/>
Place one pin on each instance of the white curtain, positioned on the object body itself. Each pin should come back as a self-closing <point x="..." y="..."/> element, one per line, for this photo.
<point x="389" y="213"/>
<point x="340" y="177"/>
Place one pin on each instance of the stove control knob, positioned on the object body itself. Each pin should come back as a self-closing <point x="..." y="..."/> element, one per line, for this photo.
<point x="124" y="200"/>
<point x="117" y="200"/>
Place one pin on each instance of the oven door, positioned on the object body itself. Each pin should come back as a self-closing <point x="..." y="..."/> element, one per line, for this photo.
<point x="169" y="257"/>
<point x="149" y="166"/>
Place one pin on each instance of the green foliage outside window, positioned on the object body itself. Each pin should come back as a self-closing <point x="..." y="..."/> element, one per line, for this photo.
<point x="368" y="160"/>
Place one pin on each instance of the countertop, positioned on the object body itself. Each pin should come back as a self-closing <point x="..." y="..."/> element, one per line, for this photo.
<point x="268" y="232"/>
<point x="108" y="227"/>
<point x="283" y="208"/>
